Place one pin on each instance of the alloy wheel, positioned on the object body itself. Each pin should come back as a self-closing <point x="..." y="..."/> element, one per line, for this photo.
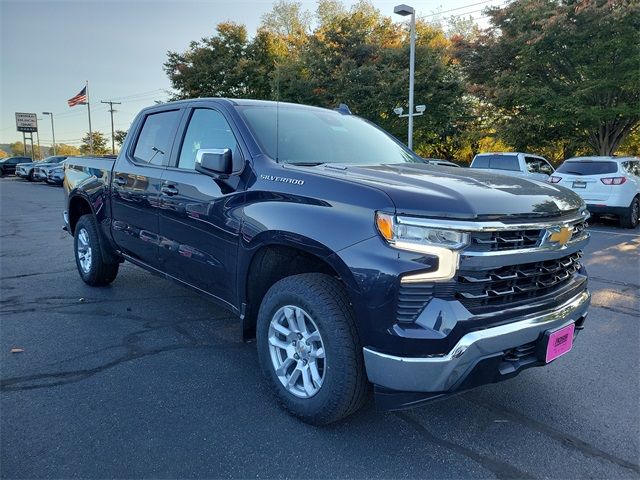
<point x="297" y="351"/>
<point x="84" y="250"/>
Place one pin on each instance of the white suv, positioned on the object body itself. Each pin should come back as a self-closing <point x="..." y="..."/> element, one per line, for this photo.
<point x="608" y="185"/>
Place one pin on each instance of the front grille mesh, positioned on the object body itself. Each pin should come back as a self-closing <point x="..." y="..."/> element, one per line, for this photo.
<point x="503" y="240"/>
<point x="484" y="290"/>
<point x="515" y="283"/>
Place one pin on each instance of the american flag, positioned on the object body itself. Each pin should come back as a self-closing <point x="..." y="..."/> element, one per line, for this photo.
<point x="79" y="99"/>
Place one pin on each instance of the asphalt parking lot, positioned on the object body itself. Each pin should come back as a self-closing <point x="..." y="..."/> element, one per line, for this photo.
<point x="146" y="379"/>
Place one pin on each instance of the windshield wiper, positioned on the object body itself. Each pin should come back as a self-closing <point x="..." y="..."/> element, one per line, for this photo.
<point x="306" y="164"/>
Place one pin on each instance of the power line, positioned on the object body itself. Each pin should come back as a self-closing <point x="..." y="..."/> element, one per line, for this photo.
<point x="456" y="9"/>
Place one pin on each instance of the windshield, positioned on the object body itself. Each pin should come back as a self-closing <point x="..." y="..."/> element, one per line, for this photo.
<point x="587" y="168"/>
<point x="314" y="136"/>
<point x="52" y="160"/>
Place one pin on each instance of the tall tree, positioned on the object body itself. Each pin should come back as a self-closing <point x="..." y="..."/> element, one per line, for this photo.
<point x="119" y="137"/>
<point x="560" y="72"/>
<point x="99" y="144"/>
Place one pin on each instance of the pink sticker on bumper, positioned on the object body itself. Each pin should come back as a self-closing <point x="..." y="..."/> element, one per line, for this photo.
<point x="560" y="342"/>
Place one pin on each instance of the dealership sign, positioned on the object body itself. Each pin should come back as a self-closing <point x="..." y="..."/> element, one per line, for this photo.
<point x="26" y="122"/>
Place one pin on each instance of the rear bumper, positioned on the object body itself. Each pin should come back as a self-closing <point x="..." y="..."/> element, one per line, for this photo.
<point x="441" y="375"/>
<point x="606" y="210"/>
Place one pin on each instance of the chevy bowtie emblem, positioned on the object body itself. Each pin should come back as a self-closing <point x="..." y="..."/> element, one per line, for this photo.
<point x="561" y="236"/>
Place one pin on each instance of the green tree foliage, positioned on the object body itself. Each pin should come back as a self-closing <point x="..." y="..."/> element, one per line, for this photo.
<point x="99" y="144"/>
<point x="562" y="74"/>
<point x="119" y="137"/>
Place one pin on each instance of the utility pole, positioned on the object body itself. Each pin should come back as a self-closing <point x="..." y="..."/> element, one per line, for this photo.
<point x="111" y="110"/>
<point x="405" y="10"/>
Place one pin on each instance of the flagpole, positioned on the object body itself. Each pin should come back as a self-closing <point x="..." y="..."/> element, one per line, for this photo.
<point x="89" y="113"/>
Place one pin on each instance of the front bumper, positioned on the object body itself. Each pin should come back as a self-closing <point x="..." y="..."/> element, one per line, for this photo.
<point x="39" y="175"/>
<point x="448" y="373"/>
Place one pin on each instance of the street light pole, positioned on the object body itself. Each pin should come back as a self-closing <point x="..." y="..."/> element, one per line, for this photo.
<point x="405" y="10"/>
<point x="53" y="132"/>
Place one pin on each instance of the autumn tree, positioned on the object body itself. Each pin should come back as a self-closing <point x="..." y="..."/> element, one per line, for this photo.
<point x="3" y="154"/>
<point x="64" y="149"/>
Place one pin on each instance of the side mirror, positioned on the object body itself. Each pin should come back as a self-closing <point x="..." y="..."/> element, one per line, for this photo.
<point x="214" y="162"/>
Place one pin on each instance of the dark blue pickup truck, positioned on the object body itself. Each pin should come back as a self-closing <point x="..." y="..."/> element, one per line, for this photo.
<point x="350" y="260"/>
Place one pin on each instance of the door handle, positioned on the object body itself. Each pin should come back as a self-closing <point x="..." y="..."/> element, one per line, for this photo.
<point x="169" y="190"/>
<point x="119" y="181"/>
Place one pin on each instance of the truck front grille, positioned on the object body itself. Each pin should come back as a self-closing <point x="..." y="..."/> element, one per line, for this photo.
<point x="502" y="240"/>
<point x="514" y="283"/>
<point x="505" y="240"/>
<point x="482" y="291"/>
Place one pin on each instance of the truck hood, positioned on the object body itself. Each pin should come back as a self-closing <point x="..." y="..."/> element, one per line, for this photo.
<point x="447" y="192"/>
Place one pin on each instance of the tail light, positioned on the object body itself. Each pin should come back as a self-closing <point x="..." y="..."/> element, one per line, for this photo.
<point x="613" y="180"/>
<point x="553" y="179"/>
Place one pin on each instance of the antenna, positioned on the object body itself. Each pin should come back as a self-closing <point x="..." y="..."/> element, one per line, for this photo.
<point x="277" y="111"/>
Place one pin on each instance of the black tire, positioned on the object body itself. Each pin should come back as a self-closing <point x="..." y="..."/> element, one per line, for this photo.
<point x="630" y="218"/>
<point x="30" y="177"/>
<point x="98" y="272"/>
<point x="345" y="386"/>
<point x="1" y="172"/>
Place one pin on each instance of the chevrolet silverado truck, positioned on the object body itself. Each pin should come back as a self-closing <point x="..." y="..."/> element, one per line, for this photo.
<point x="355" y="265"/>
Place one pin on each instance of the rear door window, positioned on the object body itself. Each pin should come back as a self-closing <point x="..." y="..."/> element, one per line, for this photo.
<point x="587" y="167"/>
<point x="154" y="142"/>
<point x="498" y="162"/>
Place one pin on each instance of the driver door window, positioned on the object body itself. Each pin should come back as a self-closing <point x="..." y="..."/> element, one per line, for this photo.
<point x="207" y="129"/>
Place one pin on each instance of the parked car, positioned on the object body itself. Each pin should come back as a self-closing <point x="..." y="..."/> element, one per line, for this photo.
<point x="350" y="260"/>
<point x="514" y="163"/>
<point x="41" y="170"/>
<point x="25" y="170"/>
<point x="8" y="165"/>
<point x="608" y="185"/>
<point x="442" y="163"/>
<point x="55" y="174"/>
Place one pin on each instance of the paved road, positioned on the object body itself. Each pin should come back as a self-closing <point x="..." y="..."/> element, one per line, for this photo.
<point x="146" y="379"/>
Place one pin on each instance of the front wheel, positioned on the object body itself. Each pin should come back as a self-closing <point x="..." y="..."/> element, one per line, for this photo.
<point x="93" y="268"/>
<point x="308" y="348"/>
<point x="631" y="217"/>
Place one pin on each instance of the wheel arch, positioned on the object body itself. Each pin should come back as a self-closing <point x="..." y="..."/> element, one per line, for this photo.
<point x="277" y="257"/>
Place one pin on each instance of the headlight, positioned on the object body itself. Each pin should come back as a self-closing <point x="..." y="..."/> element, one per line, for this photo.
<point x="415" y="235"/>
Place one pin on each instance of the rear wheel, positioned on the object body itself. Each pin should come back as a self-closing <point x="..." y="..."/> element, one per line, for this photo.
<point x="308" y="348"/>
<point x="631" y="217"/>
<point x="93" y="268"/>
<point x="30" y="177"/>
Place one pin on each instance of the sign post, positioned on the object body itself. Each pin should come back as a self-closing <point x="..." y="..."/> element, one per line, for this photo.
<point x="27" y="123"/>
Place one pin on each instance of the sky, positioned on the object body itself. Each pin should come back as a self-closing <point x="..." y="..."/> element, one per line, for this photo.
<point x="48" y="49"/>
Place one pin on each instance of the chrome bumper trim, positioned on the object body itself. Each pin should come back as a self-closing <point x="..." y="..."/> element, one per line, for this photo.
<point x="441" y="373"/>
